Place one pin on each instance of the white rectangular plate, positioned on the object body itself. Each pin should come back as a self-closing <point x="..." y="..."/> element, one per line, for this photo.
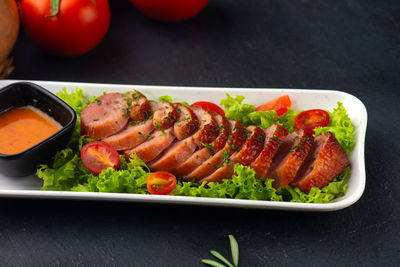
<point x="29" y="187"/>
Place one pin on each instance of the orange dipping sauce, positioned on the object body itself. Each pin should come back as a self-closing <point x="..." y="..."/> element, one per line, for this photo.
<point x="24" y="127"/>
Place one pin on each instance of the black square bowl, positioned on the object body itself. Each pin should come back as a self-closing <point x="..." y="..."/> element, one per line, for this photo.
<point x="23" y="94"/>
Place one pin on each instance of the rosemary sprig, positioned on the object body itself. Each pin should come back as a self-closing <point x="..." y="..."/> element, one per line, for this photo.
<point x="235" y="255"/>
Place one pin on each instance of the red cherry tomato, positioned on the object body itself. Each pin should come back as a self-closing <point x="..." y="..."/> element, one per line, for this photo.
<point x="210" y="107"/>
<point x="98" y="156"/>
<point x="170" y="10"/>
<point x="280" y="105"/>
<point x="161" y="183"/>
<point x="77" y="28"/>
<point x="311" y="119"/>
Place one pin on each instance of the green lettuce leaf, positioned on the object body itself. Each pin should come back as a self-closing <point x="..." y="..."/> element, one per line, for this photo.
<point x="341" y="127"/>
<point x="263" y="119"/>
<point x="236" y="110"/>
<point x="287" y="120"/>
<point x="334" y="189"/>
<point x="166" y="98"/>
<point x="243" y="185"/>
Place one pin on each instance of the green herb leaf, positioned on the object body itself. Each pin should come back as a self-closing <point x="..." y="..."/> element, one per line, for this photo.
<point x="166" y="98"/>
<point x="234" y="250"/>
<point x="212" y="263"/>
<point x="220" y="257"/>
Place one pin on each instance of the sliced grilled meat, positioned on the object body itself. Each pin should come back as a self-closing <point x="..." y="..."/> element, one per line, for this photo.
<point x="131" y="136"/>
<point x="193" y="162"/>
<point x="224" y="172"/>
<point x="105" y="116"/>
<point x="208" y="128"/>
<point x="251" y="147"/>
<point x="237" y="137"/>
<point x="164" y="116"/>
<point x="285" y="170"/>
<point x="187" y="122"/>
<point x="154" y="145"/>
<point x="139" y="106"/>
<point x="208" y="167"/>
<point x="175" y="155"/>
<point x="274" y="136"/>
<point x="223" y="132"/>
<point x="324" y="165"/>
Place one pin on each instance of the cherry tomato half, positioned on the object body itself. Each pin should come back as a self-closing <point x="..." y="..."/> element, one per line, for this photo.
<point x="280" y="105"/>
<point x="310" y="119"/>
<point x="170" y="10"/>
<point x="160" y="183"/>
<point x="77" y="28"/>
<point x="210" y="107"/>
<point x="98" y="156"/>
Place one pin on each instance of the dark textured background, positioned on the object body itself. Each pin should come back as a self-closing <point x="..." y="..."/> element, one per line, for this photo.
<point x="349" y="45"/>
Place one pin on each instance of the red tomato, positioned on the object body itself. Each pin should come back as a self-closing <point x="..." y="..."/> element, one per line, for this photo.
<point x="311" y="119"/>
<point x="210" y="107"/>
<point x="77" y="28"/>
<point x="161" y="183"/>
<point x="280" y="105"/>
<point x="170" y="10"/>
<point x="98" y="156"/>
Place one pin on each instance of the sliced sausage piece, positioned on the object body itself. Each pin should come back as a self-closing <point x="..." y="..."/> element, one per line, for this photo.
<point x="198" y="158"/>
<point x="223" y="132"/>
<point x="174" y="155"/>
<point x="251" y="147"/>
<point x="224" y="172"/>
<point x="164" y="116"/>
<point x="139" y="106"/>
<point x="130" y="137"/>
<point x="193" y="162"/>
<point x="187" y="122"/>
<point x="325" y="164"/>
<point x="207" y="167"/>
<point x="274" y="136"/>
<point x="154" y="145"/>
<point x="237" y="137"/>
<point x="208" y="128"/>
<point x="286" y="170"/>
<point x="105" y="116"/>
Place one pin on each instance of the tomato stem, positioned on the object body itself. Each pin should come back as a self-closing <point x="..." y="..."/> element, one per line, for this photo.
<point x="55" y="7"/>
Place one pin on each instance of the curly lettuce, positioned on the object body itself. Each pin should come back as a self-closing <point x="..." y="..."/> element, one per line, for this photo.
<point x="341" y="127"/>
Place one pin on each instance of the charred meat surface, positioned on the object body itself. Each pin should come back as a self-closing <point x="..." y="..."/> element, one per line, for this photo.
<point x="187" y="122"/>
<point x="324" y="165"/>
<point x="274" y="136"/>
<point x="286" y="170"/>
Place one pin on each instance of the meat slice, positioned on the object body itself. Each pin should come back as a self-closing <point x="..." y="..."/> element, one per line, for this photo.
<point x="325" y="164"/>
<point x="251" y="147"/>
<point x="223" y="132"/>
<point x="274" y="136"/>
<point x="164" y="115"/>
<point x="139" y="106"/>
<point x="132" y="136"/>
<point x="187" y="122"/>
<point x="285" y="170"/>
<point x="208" y="128"/>
<point x="174" y="155"/>
<point x="209" y="166"/>
<point x="106" y="116"/>
<point x="237" y="137"/>
<point x="154" y="145"/>
<point x="224" y="172"/>
<point x="193" y="162"/>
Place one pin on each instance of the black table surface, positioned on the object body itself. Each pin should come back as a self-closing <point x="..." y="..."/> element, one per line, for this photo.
<point x="349" y="45"/>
